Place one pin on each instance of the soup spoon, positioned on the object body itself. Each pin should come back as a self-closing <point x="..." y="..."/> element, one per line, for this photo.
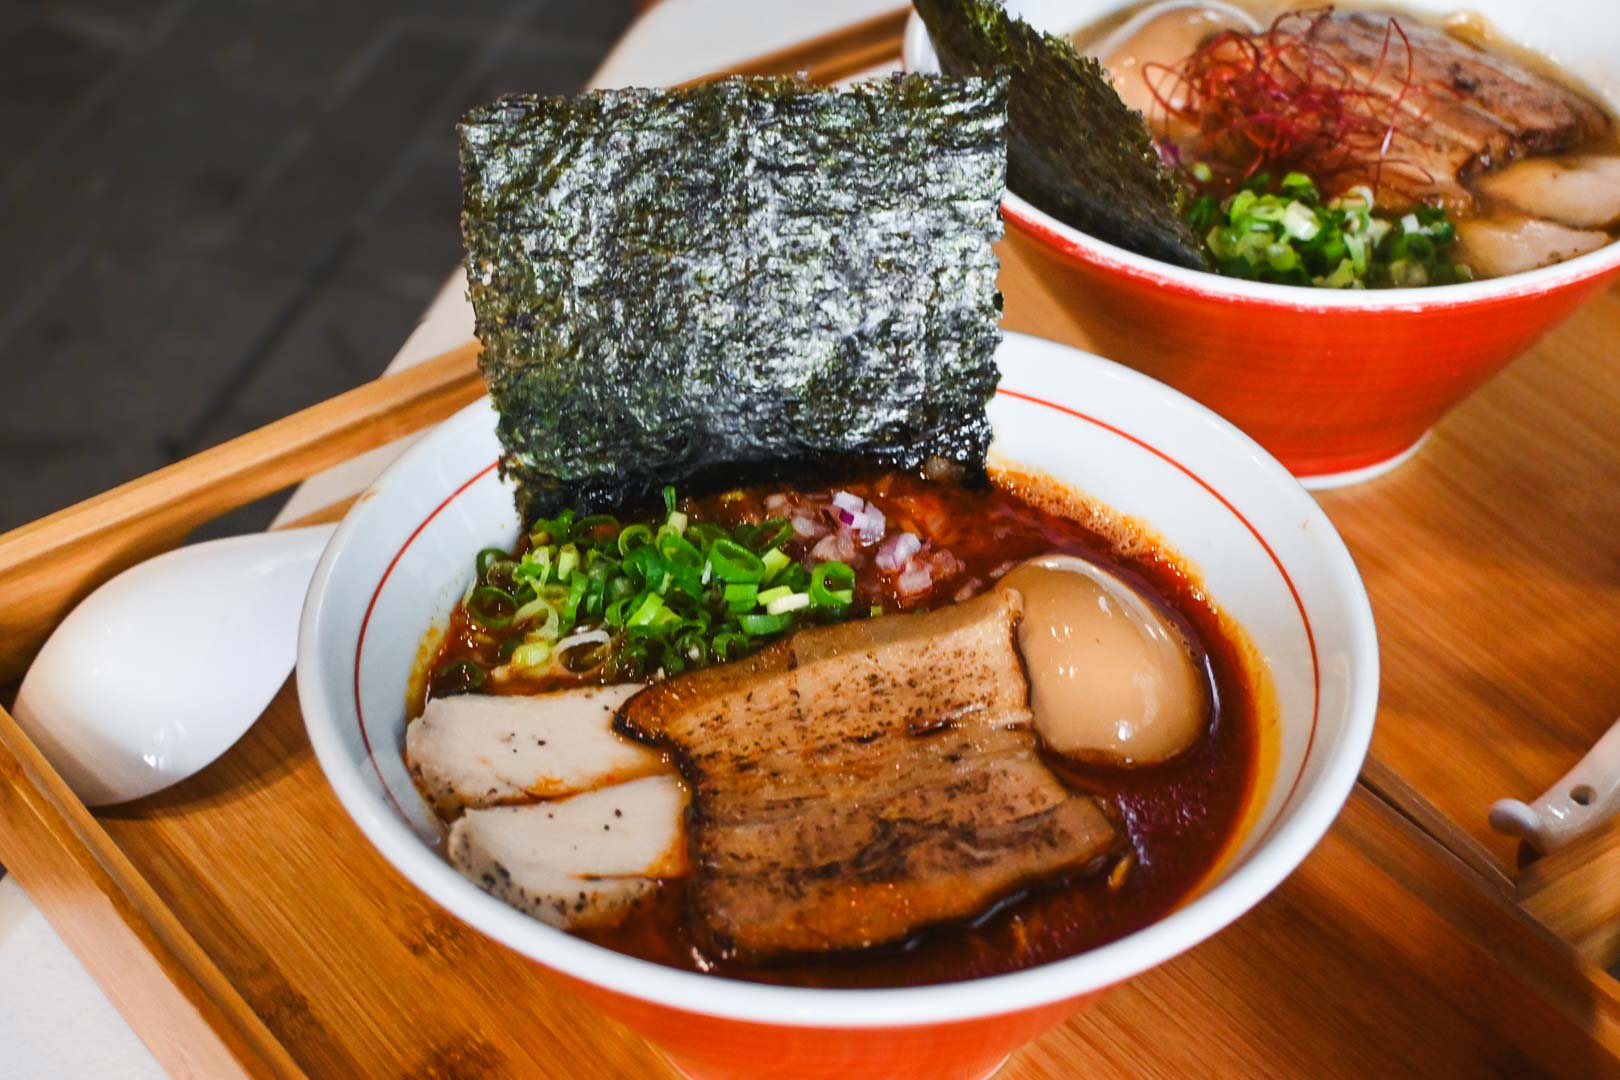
<point x="1582" y="799"/>
<point x="163" y="668"/>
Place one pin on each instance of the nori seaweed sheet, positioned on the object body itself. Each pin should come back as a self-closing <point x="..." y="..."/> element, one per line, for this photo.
<point x="1074" y="149"/>
<point x="754" y="271"/>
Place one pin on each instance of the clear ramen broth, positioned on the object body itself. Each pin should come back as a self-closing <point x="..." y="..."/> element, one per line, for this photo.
<point x="1179" y="817"/>
<point x="1508" y="162"/>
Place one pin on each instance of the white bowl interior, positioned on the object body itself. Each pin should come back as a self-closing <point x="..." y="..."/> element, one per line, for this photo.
<point x="1578" y="35"/>
<point x="1268" y="556"/>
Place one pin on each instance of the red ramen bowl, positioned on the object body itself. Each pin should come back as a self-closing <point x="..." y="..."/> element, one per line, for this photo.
<point x="1339" y="385"/>
<point x="1263" y="551"/>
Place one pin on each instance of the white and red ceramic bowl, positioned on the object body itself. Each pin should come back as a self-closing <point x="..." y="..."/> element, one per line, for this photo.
<point x="1338" y="385"/>
<point x="1268" y="557"/>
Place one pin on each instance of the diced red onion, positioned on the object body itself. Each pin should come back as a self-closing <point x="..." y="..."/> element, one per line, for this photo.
<point x="917" y="578"/>
<point x="807" y="526"/>
<point x="775" y="502"/>
<point x="835" y="545"/>
<point x="845" y="500"/>
<point x="966" y="591"/>
<point x="897" y="550"/>
<point x="873" y="526"/>
<point x="847" y="517"/>
<point x="945" y="563"/>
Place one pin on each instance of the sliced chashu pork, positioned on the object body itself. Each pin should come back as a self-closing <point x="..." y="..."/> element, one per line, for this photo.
<point x="481" y="750"/>
<point x="858" y="782"/>
<point x="1465" y="110"/>
<point x="580" y="862"/>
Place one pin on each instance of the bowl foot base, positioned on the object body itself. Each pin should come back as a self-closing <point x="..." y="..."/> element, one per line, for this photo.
<point x="1327" y="481"/>
<point x="710" y="1076"/>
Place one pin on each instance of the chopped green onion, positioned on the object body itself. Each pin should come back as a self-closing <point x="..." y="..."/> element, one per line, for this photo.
<point x="1300" y="222"/>
<point x="741" y="597"/>
<point x="794" y="577"/>
<point x="633" y="537"/>
<point x="764" y="625"/>
<point x="487" y="558"/>
<point x="734" y="563"/>
<point x="531" y="654"/>
<point x="773" y="561"/>
<point x="567" y="560"/>
<point x="1285" y="234"/>
<point x="771" y="532"/>
<point x="768" y="595"/>
<point x="793" y="601"/>
<point x="577" y="589"/>
<point x="727" y="644"/>
<point x="491" y="608"/>
<point x="615" y="611"/>
<point x="534" y="568"/>
<point x="651" y="606"/>
<point x="587" y="527"/>
<point x="667" y="595"/>
<point x="458" y="677"/>
<point x="832" y="584"/>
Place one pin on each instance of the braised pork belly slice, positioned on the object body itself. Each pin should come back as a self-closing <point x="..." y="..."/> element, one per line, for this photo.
<point x="578" y="863"/>
<point x="1466" y="111"/>
<point x="856" y="783"/>
<point x="477" y="750"/>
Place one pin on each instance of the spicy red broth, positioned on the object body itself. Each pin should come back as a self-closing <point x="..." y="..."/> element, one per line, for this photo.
<point x="1181" y="817"/>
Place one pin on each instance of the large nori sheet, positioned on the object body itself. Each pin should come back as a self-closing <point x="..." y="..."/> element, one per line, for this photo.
<point x="751" y="271"/>
<point x="1074" y="149"/>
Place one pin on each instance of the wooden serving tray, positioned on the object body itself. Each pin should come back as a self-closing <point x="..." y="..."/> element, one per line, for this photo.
<point x="245" y="927"/>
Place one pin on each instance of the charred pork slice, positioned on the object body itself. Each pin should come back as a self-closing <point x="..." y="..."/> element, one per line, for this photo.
<point x="856" y="783"/>
<point x="1466" y="111"/>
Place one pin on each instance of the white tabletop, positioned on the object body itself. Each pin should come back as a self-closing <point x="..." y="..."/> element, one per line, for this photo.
<point x="54" y="1020"/>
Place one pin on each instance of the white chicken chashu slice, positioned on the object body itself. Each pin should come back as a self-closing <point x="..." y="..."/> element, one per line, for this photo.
<point x="1582" y="192"/>
<point x="478" y="750"/>
<point x="580" y="862"/>
<point x="1496" y="247"/>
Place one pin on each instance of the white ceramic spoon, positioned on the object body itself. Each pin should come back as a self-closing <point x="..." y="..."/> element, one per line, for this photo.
<point x="163" y="668"/>
<point x="1583" y="798"/>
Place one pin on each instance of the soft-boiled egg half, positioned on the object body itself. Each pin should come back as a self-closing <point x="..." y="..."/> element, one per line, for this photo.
<point x="1111" y="677"/>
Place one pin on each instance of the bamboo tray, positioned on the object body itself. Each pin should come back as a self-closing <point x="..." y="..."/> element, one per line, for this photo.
<point x="244" y="927"/>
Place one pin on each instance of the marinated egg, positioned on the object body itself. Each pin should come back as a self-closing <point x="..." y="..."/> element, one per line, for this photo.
<point x="1111" y="678"/>
<point x="1140" y="54"/>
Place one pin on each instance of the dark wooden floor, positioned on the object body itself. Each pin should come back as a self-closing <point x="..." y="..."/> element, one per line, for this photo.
<point x="214" y="212"/>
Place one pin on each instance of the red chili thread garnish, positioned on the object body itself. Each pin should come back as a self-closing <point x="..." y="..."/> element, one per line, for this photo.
<point x="1277" y="100"/>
